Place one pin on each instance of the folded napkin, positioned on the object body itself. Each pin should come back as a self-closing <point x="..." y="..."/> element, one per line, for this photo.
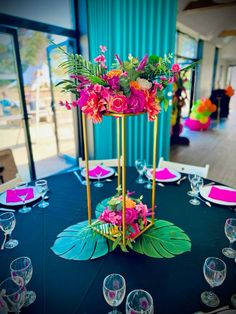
<point x="12" y="197"/>
<point x="222" y="194"/>
<point x="98" y="171"/>
<point x="164" y="174"/>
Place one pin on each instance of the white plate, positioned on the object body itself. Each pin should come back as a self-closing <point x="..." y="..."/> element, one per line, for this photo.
<point x="111" y="172"/>
<point x="176" y="178"/>
<point x="205" y="190"/>
<point x="227" y="312"/>
<point x="3" y="198"/>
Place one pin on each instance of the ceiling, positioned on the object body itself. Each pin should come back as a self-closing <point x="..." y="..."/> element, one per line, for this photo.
<point x="209" y="18"/>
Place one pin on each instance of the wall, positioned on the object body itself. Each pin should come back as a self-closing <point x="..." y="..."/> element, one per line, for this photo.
<point x="206" y="70"/>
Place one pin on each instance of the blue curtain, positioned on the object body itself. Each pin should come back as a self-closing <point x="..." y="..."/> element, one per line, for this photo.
<point x="136" y="27"/>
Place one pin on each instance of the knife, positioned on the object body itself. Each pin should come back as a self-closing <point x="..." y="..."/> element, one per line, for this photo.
<point x="7" y="210"/>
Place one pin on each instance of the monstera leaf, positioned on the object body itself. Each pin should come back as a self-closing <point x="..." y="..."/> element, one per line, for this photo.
<point x="162" y="240"/>
<point x="80" y="242"/>
<point x="101" y="207"/>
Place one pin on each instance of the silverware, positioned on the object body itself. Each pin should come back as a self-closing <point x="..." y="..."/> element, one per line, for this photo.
<point x="161" y="184"/>
<point x="79" y="178"/>
<point x="37" y="203"/>
<point x="226" y="307"/>
<point x="206" y="202"/>
<point x="7" y="210"/>
<point x="181" y="179"/>
<point x="211" y="183"/>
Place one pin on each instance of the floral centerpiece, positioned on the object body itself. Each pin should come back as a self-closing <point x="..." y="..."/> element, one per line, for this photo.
<point x="131" y="86"/>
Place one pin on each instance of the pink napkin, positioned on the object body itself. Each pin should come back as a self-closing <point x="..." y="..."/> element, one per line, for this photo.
<point x="12" y="197"/>
<point x="164" y="174"/>
<point x="98" y="171"/>
<point x="222" y="194"/>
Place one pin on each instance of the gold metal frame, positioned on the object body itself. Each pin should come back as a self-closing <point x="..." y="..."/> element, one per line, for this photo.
<point x="121" y="146"/>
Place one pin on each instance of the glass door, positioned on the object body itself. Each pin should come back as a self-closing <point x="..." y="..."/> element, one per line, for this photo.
<point x="64" y="119"/>
<point x="14" y="133"/>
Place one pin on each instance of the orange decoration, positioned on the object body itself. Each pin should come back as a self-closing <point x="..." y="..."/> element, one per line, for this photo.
<point x="112" y="73"/>
<point x="134" y="84"/>
<point x="229" y="91"/>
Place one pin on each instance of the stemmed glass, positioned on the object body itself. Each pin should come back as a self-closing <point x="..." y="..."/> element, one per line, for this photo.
<point x="140" y="166"/>
<point x="42" y="188"/>
<point x="7" y="224"/>
<point x="13" y="294"/>
<point x="22" y="267"/>
<point x="139" y="302"/>
<point x="22" y="192"/>
<point x="196" y="184"/>
<point x="192" y="176"/>
<point x="149" y="177"/>
<point x="98" y="183"/>
<point x="114" y="288"/>
<point x="230" y="232"/>
<point x="214" y="270"/>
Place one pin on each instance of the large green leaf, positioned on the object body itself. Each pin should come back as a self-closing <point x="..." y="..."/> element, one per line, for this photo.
<point x="101" y="207"/>
<point x="80" y="242"/>
<point x="163" y="239"/>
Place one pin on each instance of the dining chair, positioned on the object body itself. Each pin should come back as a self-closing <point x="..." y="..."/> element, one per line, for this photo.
<point x="11" y="184"/>
<point x="184" y="168"/>
<point x="105" y="162"/>
<point x="8" y="164"/>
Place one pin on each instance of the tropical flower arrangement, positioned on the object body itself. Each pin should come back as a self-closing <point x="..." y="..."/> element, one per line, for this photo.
<point x="136" y="214"/>
<point x="131" y="86"/>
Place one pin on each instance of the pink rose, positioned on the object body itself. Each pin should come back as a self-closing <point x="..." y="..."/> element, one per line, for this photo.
<point x="136" y="230"/>
<point x="136" y="100"/>
<point x="131" y="215"/>
<point x="117" y="103"/>
<point x="175" y="67"/>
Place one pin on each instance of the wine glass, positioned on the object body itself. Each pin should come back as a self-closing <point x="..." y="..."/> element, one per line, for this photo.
<point x="7" y="224"/>
<point x="192" y="176"/>
<point x="13" y="294"/>
<point x="114" y="288"/>
<point x="230" y="232"/>
<point x="214" y="270"/>
<point x="196" y="184"/>
<point x="139" y="302"/>
<point x="140" y="166"/>
<point x="22" y="267"/>
<point x="42" y="188"/>
<point x="98" y="183"/>
<point x="22" y="192"/>
<point x="149" y="177"/>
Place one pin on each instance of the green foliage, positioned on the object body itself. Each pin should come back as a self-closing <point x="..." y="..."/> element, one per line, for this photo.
<point x="163" y="240"/>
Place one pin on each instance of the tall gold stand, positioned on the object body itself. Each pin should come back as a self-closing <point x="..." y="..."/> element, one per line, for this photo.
<point x="121" y="146"/>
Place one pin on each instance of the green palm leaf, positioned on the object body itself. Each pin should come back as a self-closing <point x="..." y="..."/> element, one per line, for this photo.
<point x="80" y="242"/>
<point x="163" y="240"/>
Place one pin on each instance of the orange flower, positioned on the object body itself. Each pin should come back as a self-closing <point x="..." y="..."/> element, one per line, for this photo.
<point x="112" y="73"/>
<point x="134" y="84"/>
<point x="229" y="91"/>
<point x="130" y="203"/>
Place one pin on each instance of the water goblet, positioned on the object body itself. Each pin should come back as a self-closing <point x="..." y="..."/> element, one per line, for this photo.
<point x="192" y="176"/>
<point x="98" y="183"/>
<point x="214" y="270"/>
<point x="22" y="267"/>
<point x="149" y="177"/>
<point x="13" y="294"/>
<point x="42" y="188"/>
<point x="196" y="184"/>
<point x="114" y="288"/>
<point x="22" y="192"/>
<point x="139" y="302"/>
<point x="140" y="166"/>
<point x="230" y="232"/>
<point x="7" y="225"/>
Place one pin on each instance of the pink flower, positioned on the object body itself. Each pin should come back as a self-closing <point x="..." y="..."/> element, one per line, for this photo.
<point x="61" y="103"/>
<point x="136" y="100"/>
<point x="131" y="215"/>
<point x="171" y="80"/>
<point x="97" y="88"/>
<point x="100" y="59"/>
<point x="103" y="48"/>
<point x="117" y="103"/>
<point x="152" y="105"/>
<point x="118" y="59"/>
<point x="163" y="78"/>
<point x="110" y="216"/>
<point x="175" y="67"/>
<point x="67" y="105"/>
<point x="114" y="82"/>
<point x="142" y="63"/>
<point x="158" y="85"/>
